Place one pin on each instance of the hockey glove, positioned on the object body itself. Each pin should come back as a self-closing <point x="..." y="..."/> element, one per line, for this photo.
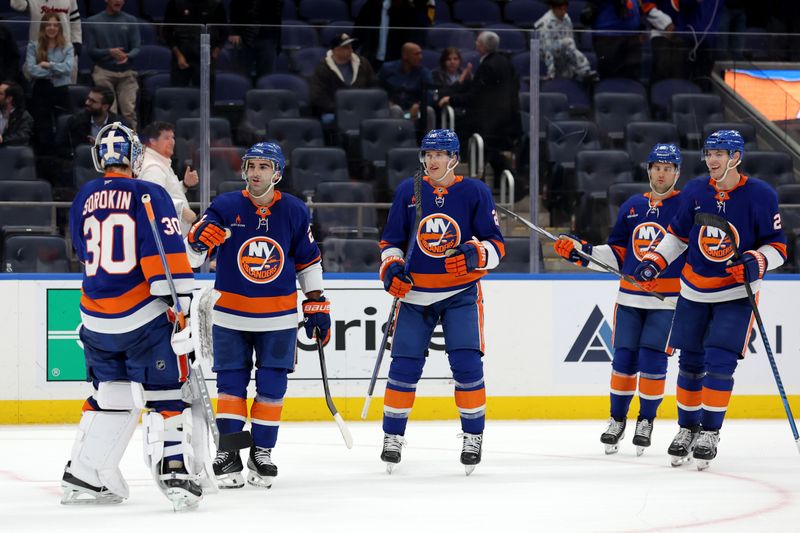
<point x="465" y="258"/>
<point x="316" y="314"/>
<point x="395" y="279"/>
<point x="566" y="245"/>
<point x="751" y="266"/>
<point x="205" y="234"/>
<point x="651" y="266"/>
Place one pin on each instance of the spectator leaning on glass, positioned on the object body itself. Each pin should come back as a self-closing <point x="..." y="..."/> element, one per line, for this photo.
<point x="113" y="41"/>
<point x="48" y="62"/>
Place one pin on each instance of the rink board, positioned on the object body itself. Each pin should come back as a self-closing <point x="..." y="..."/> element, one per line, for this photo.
<point x="548" y="351"/>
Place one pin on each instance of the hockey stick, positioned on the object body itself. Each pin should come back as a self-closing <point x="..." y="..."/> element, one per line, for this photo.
<point x="409" y="249"/>
<point x="602" y="264"/>
<point x="197" y="382"/>
<point x="348" y="438"/>
<point x="716" y="221"/>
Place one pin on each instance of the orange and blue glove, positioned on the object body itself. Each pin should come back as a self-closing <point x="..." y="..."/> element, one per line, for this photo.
<point x="465" y="258"/>
<point x="653" y="263"/>
<point x="396" y="281"/>
<point x="317" y="314"/>
<point x="205" y="234"/>
<point x="750" y="267"/>
<point x="566" y="246"/>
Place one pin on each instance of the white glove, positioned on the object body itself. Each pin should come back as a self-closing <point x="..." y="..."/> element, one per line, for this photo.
<point x="182" y="341"/>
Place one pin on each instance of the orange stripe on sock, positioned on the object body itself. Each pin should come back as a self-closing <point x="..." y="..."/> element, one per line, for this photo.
<point x="623" y="383"/>
<point x="688" y="397"/>
<point x="87" y="406"/>
<point x="232" y="405"/>
<point x="398" y="399"/>
<point x="716" y="398"/>
<point x="270" y="412"/>
<point x="471" y="399"/>
<point x="169" y="414"/>
<point x="652" y="387"/>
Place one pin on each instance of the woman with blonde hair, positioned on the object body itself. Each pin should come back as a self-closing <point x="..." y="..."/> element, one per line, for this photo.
<point x="48" y="63"/>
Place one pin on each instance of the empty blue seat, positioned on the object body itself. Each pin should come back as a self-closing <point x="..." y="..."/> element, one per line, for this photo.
<point x="230" y="89"/>
<point x="401" y="163"/>
<point x="661" y="94"/>
<point x="356" y="105"/>
<point x="173" y="103"/>
<point x="291" y="133"/>
<point x="297" y="84"/>
<point x="613" y="111"/>
<point x="189" y="129"/>
<point x="524" y="13"/>
<point x="450" y="34"/>
<point x="340" y="221"/>
<point x="691" y="111"/>
<point x="379" y="135"/>
<point x="296" y="35"/>
<point x="575" y="92"/>
<point x="306" y="60"/>
<point x="773" y="167"/>
<point x="263" y="105"/>
<point x="35" y="253"/>
<point x="620" y="85"/>
<point x="568" y="137"/>
<point x="350" y="255"/>
<point x="34" y="216"/>
<point x="511" y="39"/>
<point x="319" y="12"/>
<point x="312" y="166"/>
<point x="476" y="13"/>
<point x="152" y="59"/>
<point x="640" y="137"/>
<point x="17" y="163"/>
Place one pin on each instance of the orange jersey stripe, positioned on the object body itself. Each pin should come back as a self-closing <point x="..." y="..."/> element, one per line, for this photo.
<point x="444" y="281"/>
<point x="716" y="398"/>
<point x="667" y="285"/>
<point x="177" y="263"/>
<point x="501" y="247"/>
<point x="270" y="412"/>
<point x="303" y="266"/>
<point x="623" y="383"/>
<point x="117" y="304"/>
<point x="780" y="247"/>
<point x="264" y="304"/>
<point x="398" y="399"/>
<point x="702" y="282"/>
<point x="620" y="252"/>
<point x="689" y="397"/>
<point x="232" y="405"/>
<point x="471" y="399"/>
<point x="652" y="387"/>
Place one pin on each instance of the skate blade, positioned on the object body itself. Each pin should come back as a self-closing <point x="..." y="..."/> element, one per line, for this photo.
<point x="640" y="450"/>
<point x="390" y="468"/>
<point x="611" y="449"/>
<point x="80" y="497"/>
<point x="182" y="499"/>
<point x="262" y="482"/>
<point x="676" y="461"/>
<point x="469" y="469"/>
<point x="234" y="480"/>
<point x="702" y="464"/>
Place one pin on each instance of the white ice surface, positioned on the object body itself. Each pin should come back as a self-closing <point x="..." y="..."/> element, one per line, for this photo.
<point x="535" y="476"/>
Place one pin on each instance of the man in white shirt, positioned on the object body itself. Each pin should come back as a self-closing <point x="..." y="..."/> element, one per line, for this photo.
<point x="159" y="138"/>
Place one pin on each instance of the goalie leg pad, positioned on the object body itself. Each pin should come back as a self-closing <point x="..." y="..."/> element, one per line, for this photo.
<point x="117" y="395"/>
<point x="93" y="469"/>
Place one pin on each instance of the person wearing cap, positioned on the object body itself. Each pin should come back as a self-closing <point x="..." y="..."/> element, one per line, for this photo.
<point x="341" y="68"/>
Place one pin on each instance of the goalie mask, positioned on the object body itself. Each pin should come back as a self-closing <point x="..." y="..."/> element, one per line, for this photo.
<point x="268" y="151"/>
<point x="117" y="145"/>
<point x="440" y="141"/>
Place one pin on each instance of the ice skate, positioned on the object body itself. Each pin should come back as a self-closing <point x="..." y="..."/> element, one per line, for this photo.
<point x="471" y="450"/>
<point x="392" y="448"/>
<point x="228" y="470"/>
<point x="641" y="438"/>
<point x="179" y="486"/>
<point x="262" y="470"/>
<point x="613" y="434"/>
<point x="706" y="448"/>
<point x="78" y="492"/>
<point x="680" y="451"/>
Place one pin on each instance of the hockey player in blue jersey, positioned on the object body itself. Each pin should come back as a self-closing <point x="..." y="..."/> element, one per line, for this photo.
<point x="713" y="318"/>
<point x="457" y="241"/>
<point x="127" y="334"/>
<point x="641" y="321"/>
<point x="269" y="250"/>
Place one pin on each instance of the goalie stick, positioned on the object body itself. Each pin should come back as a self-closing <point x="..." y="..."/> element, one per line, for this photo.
<point x="348" y="438"/>
<point x="602" y="264"/>
<point x="716" y="221"/>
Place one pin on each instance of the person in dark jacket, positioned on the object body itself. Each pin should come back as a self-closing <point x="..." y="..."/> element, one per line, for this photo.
<point x="16" y="124"/>
<point x="182" y="20"/>
<point x="340" y="69"/>
<point x="83" y="126"/>
<point x="255" y="31"/>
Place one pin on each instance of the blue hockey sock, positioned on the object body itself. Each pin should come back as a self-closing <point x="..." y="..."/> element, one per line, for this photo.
<point x="470" y="391"/>
<point x="265" y="413"/>
<point x="232" y="400"/>
<point x="401" y="389"/>
<point x="652" y="379"/>
<point x="623" y="381"/>
<point x="691" y="371"/>
<point x="717" y="386"/>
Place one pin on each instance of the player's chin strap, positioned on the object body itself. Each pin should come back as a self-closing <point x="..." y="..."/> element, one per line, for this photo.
<point x="450" y="168"/>
<point x="729" y="167"/>
<point x="660" y="195"/>
<point x="273" y="183"/>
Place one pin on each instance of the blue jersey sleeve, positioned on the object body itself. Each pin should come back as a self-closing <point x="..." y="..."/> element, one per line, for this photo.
<point x="768" y="222"/>
<point x="304" y="248"/>
<point x="487" y="227"/>
<point x="620" y="234"/>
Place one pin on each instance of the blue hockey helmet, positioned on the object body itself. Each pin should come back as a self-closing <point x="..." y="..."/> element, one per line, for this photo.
<point x="117" y="145"/>
<point x="665" y="153"/>
<point x="730" y="140"/>
<point x="445" y="140"/>
<point x="264" y="150"/>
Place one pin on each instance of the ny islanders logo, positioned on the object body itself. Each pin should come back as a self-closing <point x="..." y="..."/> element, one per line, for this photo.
<point x="645" y="237"/>
<point x="715" y="245"/>
<point x="438" y="233"/>
<point x="260" y="260"/>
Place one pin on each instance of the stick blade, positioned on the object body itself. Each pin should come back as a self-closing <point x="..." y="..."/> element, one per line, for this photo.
<point x="365" y="409"/>
<point x="233" y="442"/>
<point x="345" y="431"/>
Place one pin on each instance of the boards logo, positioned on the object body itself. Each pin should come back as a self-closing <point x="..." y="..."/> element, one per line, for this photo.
<point x="593" y="344"/>
<point x="65" y="360"/>
<point x="645" y="237"/>
<point x="260" y="260"/>
<point x="438" y="233"/>
<point x="715" y="245"/>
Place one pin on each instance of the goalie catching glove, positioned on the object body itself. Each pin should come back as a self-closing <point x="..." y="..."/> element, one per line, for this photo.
<point x="316" y="314"/>
<point x="566" y="247"/>
<point x="465" y="258"/>
<point x="751" y="266"/>
<point x="396" y="281"/>
<point x="205" y="234"/>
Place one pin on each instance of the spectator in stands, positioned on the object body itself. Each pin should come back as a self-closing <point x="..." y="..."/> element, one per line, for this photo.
<point x="48" y="61"/>
<point x="159" y="141"/>
<point x="557" y="45"/>
<point x="182" y="34"/>
<point x="619" y="54"/>
<point x="68" y="14"/>
<point x="113" y="42"/>
<point x="9" y="55"/>
<point x="407" y="81"/>
<point x="492" y="104"/>
<point x="451" y="77"/>
<point x="256" y="34"/>
<point x="383" y="26"/>
<point x="669" y="50"/>
<point x="340" y="69"/>
<point x="83" y="126"/>
<point x="732" y="25"/>
<point x="16" y="124"/>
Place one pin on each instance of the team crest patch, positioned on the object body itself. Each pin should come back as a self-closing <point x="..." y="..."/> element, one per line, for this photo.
<point x="715" y="245"/>
<point x="645" y="238"/>
<point x="438" y="233"/>
<point x="260" y="260"/>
